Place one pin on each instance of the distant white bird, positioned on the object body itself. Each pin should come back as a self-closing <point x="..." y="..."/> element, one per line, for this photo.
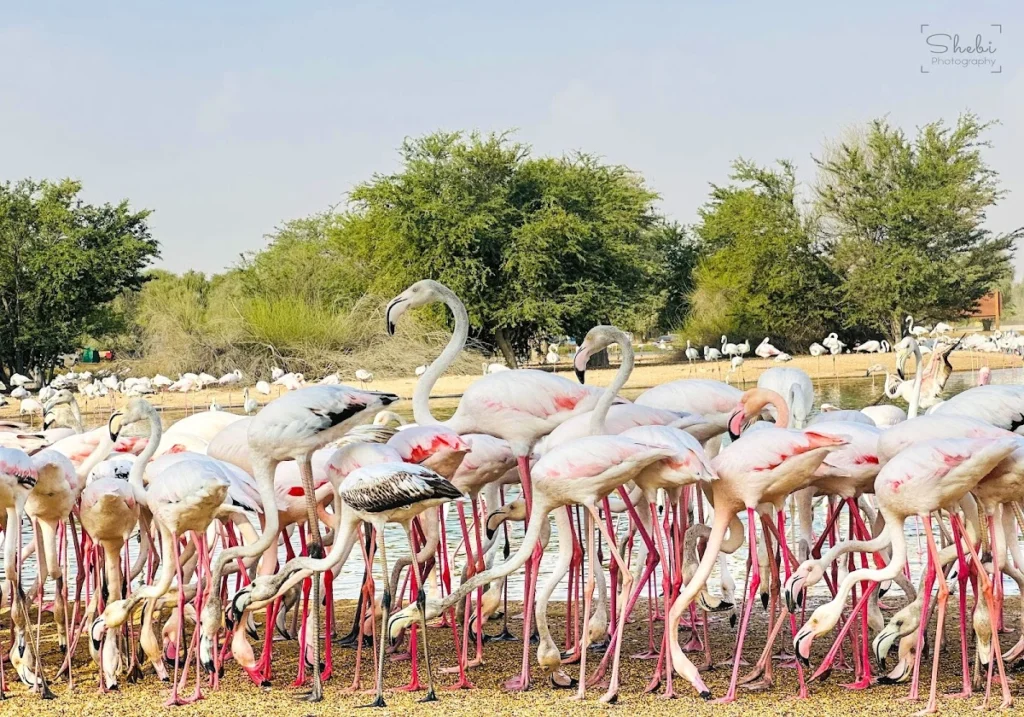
<point x="230" y="379"/>
<point x="46" y="393"/>
<point x="941" y="328"/>
<point x="782" y="357"/>
<point x="766" y="350"/>
<point x="420" y="370"/>
<point x="204" y="380"/>
<point x="736" y="362"/>
<point x="495" y="368"/>
<point x="161" y="381"/>
<point x="868" y="347"/>
<point x="692" y="354"/>
<point x="552" y="357"/>
<point x="711" y="354"/>
<point x="19" y="393"/>
<point x="833" y="344"/>
<point x="276" y="373"/>
<point x="111" y="382"/>
<point x="30" y="406"/>
<point x="744" y="348"/>
<point x="249" y="404"/>
<point x="263" y="387"/>
<point x="364" y="377"/>
<point x="331" y="379"/>
<point x="19" y="380"/>
<point x="214" y="406"/>
<point x="729" y="349"/>
<point x="817" y="349"/>
<point x="291" y="381"/>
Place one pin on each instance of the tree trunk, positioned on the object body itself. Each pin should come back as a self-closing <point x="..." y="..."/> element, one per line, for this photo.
<point x="506" y="348"/>
<point x="599" y="360"/>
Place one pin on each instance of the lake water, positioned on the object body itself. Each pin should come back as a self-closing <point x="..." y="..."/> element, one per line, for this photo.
<point x="842" y="393"/>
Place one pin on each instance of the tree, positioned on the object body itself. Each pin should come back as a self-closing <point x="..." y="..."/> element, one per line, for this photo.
<point x="535" y="246"/>
<point x="903" y="223"/>
<point x="62" y="262"/>
<point x="761" y="274"/>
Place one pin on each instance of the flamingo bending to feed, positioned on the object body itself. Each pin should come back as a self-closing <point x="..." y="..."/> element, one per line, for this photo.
<point x="584" y="472"/>
<point x="291" y="427"/>
<point x="763" y="466"/>
<point x="927" y="476"/>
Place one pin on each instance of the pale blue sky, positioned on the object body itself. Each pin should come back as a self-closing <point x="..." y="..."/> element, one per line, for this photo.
<point x="229" y="120"/>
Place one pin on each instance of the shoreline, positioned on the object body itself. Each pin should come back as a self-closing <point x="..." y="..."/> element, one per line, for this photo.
<point x="644" y="376"/>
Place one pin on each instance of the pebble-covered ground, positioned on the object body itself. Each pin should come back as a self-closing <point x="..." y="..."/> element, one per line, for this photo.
<point x="238" y="696"/>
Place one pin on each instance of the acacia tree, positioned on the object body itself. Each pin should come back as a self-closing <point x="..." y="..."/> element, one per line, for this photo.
<point x="761" y="274"/>
<point x="535" y="246"/>
<point x="903" y="223"/>
<point x="62" y="262"/>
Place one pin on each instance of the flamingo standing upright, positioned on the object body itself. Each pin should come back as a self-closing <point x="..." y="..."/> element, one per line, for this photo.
<point x="518" y="406"/>
<point x="292" y="427"/>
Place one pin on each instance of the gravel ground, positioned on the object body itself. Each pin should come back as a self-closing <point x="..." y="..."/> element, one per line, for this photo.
<point x="238" y="696"/>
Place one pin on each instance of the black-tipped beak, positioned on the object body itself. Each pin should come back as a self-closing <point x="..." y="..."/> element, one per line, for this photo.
<point x="390" y="324"/>
<point x="764" y="600"/>
<point x="581" y="376"/>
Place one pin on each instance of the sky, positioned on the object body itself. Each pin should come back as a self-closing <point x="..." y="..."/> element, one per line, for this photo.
<point x="230" y="118"/>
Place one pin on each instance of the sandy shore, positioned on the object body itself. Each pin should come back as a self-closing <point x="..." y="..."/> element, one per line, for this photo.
<point x="238" y="696"/>
<point x="644" y="376"/>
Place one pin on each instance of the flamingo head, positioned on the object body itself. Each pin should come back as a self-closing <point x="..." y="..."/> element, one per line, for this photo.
<point x="597" y="339"/>
<point x="808" y="574"/>
<point x="903" y="623"/>
<point x="421" y="293"/>
<point x="820" y="623"/>
<point x="516" y="510"/>
<point x="749" y="410"/>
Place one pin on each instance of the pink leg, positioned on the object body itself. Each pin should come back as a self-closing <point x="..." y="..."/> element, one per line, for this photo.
<point x="755" y="581"/>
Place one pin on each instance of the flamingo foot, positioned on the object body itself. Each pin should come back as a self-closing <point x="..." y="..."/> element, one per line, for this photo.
<point x="648" y="655"/>
<point x="693" y="645"/>
<point x="462" y="684"/>
<point x="862" y="684"/>
<point x="413" y="686"/>
<point x="519" y="683"/>
<point x="759" y="685"/>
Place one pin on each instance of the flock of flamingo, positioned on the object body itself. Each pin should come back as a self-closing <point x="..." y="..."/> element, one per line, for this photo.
<point x="209" y="501"/>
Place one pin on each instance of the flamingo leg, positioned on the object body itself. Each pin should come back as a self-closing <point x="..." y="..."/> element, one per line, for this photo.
<point x="755" y="581"/>
<point x="421" y="601"/>
<point x="962" y="577"/>
<point x="943" y="596"/>
<point x="385" y="609"/>
<point x="316" y="551"/>
<point x="588" y="594"/>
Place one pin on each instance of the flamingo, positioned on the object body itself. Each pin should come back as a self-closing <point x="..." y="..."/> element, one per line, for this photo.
<point x="18" y="476"/>
<point x="692" y="354"/>
<point x="763" y="466"/>
<point x="249" y="405"/>
<point x="518" y="406"/>
<point x="713" y="400"/>
<point x="291" y="427"/>
<point x="729" y="349"/>
<point x="364" y="377"/>
<point x="396" y="492"/>
<point x="765" y="350"/>
<point x="927" y="476"/>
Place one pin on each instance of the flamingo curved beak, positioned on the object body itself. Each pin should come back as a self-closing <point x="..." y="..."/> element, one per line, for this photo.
<point x="393" y="311"/>
<point x="579" y="362"/>
<point x="802" y="645"/>
<point x="883" y="642"/>
<point x="736" y="423"/>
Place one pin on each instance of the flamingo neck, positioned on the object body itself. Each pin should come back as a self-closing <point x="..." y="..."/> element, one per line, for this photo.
<point x="421" y="395"/>
<point x="915" y="399"/>
<point x="876" y="575"/>
<point x="781" y="408"/>
<point x="76" y="415"/>
<point x="597" y="418"/>
<point x="155" y="433"/>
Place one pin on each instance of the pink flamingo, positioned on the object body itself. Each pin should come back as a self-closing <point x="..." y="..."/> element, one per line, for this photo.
<point x="927" y="476"/>
<point x="291" y="427"/>
<point x="763" y="466"/>
<point x="518" y="406"/>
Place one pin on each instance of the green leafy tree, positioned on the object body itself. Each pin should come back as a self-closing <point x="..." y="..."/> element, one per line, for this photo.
<point x="62" y="261"/>
<point x="903" y="223"/>
<point x="761" y="273"/>
<point x="534" y="246"/>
